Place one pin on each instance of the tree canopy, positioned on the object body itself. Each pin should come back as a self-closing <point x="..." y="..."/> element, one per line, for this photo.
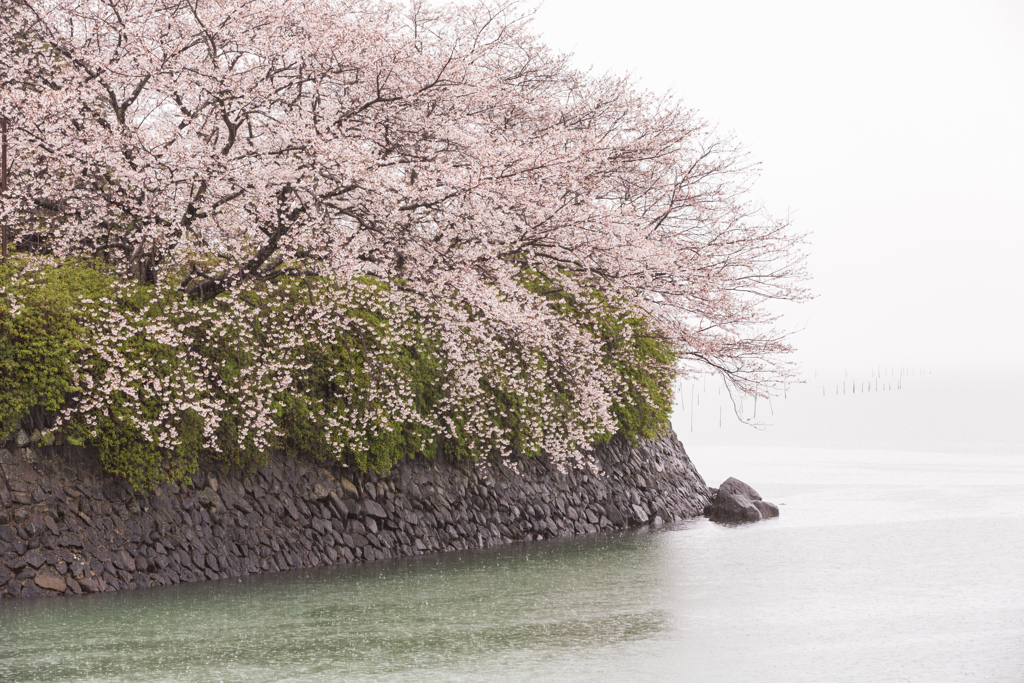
<point x="441" y="155"/>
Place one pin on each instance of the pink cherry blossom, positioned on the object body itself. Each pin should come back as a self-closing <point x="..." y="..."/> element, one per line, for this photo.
<point x="215" y="146"/>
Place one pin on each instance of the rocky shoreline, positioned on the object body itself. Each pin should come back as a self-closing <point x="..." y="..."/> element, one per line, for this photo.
<point x="66" y="528"/>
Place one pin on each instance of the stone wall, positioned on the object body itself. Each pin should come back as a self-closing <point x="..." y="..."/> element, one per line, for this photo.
<point x="66" y="528"/>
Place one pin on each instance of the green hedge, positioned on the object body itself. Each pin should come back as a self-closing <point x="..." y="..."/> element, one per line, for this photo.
<point x="75" y="338"/>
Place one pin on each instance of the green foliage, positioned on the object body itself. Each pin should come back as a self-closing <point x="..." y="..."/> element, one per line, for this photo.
<point x="124" y="451"/>
<point x="43" y="337"/>
<point x="37" y="345"/>
<point x="321" y="393"/>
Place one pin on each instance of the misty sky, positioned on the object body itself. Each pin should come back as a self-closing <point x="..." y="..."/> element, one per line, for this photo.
<point x="893" y="132"/>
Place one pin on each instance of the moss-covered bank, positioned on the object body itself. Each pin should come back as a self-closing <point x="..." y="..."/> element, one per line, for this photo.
<point x="349" y="371"/>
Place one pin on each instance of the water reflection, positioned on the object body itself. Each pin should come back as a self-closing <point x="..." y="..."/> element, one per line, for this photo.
<point x="370" y="622"/>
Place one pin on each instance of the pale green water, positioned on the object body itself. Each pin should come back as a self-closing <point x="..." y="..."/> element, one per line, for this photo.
<point x="886" y="565"/>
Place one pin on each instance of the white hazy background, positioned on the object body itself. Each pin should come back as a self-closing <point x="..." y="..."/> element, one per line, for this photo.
<point x="892" y="132"/>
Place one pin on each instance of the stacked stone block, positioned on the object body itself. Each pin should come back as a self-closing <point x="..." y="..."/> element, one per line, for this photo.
<point x="65" y="528"/>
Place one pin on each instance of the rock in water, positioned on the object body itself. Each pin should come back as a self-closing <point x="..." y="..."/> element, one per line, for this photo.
<point x="767" y="509"/>
<point x="737" y="503"/>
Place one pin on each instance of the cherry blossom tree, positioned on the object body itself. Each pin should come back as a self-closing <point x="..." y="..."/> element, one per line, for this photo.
<point x="208" y="145"/>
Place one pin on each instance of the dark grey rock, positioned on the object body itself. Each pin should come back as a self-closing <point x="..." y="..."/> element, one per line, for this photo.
<point x="30" y="590"/>
<point x="35" y="559"/>
<point x="614" y="516"/>
<point x="640" y="514"/>
<point x="340" y="506"/>
<point x="51" y="525"/>
<point x="348" y="487"/>
<point x="123" y="560"/>
<point x="90" y="585"/>
<point x="372" y="508"/>
<point x="34" y="526"/>
<point x="767" y="509"/>
<point x="738" y="503"/>
<point x="320" y="491"/>
<point x="733" y="486"/>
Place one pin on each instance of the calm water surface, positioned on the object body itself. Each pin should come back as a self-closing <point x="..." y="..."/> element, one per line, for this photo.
<point x="886" y="565"/>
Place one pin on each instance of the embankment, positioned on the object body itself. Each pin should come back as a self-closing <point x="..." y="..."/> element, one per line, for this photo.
<point x="66" y="528"/>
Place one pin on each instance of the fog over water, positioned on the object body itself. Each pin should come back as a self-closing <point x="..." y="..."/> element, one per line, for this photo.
<point x="896" y="558"/>
<point x="943" y="411"/>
